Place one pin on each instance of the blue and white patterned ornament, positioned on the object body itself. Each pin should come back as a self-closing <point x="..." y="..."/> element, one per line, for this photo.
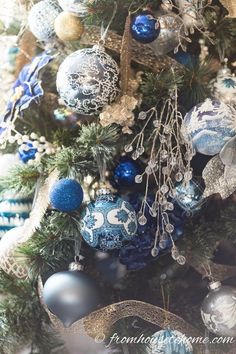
<point x="209" y="125"/>
<point x="170" y="342"/>
<point x="77" y="7"/>
<point x="223" y="87"/>
<point x="88" y="79"/>
<point x="108" y="222"/>
<point x="27" y="152"/>
<point x="14" y="210"/>
<point x="144" y="28"/>
<point x="66" y="195"/>
<point x="41" y="19"/>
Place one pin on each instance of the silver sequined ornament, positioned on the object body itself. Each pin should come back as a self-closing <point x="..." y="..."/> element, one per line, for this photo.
<point x="71" y="295"/>
<point x="41" y="19"/>
<point x="219" y="310"/>
<point x="78" y="7"/>
<point x="88" y="80"/>
<point x="169" y="35"/>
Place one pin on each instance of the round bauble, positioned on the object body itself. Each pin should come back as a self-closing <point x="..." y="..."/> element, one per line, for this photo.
<point x="125" y="172"/>
<point x="209" y="125"/>
<point x="78" y="7"/>
<point x="144" y="27"/>
<point x="88" y="80"/>
<point x="66" y="195"/>
<point x="68" y="27"/>
<point x="108" y="222"/>
<point x="71" y="295"/>
<point x="41" y="19"/>
<point x="223" y="87"/>
<point x="169" y="35"/>
<point x="169" y="342"/>
<point x="218" y="310"/>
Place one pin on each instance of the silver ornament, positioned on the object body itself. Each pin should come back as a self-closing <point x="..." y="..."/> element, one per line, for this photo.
<point x="169" y="36"/>
<point x="88" y="80"/>
<point x="70" y="295"/>
<point x="78" y="7"/>
<point x="41" y="19"/>
<point x="219" y="310"/>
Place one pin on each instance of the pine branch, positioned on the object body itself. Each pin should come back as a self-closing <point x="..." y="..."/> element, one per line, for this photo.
<point x="20" y="179"/>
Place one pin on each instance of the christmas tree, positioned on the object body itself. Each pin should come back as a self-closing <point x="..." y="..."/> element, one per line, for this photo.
<point x="117" y="178"/>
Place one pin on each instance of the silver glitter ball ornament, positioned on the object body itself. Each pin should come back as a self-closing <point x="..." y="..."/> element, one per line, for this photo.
<point x="88" y="80"/>
<point x="78" y="7"/>
<point x="219" y="310"/>
<point x="169" y="35"/>
<point x="71" y="295"/>
<point x="41" y="19"/>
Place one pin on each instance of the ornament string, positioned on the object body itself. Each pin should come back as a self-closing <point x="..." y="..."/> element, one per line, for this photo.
<point x="208" y="272"/>
<point x="166" y="305"/>
<point x="105" y="31"/>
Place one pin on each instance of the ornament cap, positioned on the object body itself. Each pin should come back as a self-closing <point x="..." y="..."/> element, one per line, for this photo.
<point x="75" y="266"/>
<point x="214" y="285"/>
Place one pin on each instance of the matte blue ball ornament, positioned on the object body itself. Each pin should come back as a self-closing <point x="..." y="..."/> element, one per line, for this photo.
<point x="71" y="295"/>
<point x="145" y="28"/>
<point x="108" y="222"/>
<point x="209" y="125"/>
<point x="66" y="195"/>
<point x="125" y="172"/>
<point x="170" y="342"/>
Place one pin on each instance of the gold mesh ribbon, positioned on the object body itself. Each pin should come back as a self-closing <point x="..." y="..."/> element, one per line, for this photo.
<point x="230" y="5"/>
<point x="11" y="262"/>
<point x="99" y="323"/>
<point x="140" y="53"/>
<point x="125" y="57"/>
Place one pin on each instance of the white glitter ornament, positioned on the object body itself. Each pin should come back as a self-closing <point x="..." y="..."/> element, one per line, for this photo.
<point x="41" y="19"/>
<point x="223" y="87"/>
<point x="78" y="7"/>
<point x="87" y="80"/>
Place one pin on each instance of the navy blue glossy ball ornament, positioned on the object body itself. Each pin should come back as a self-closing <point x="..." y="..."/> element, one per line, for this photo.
<point x="66" y="195"/>
<point x="28" y="154"/>
<point x="125" y="172"/>
<point x="145" y="28"/>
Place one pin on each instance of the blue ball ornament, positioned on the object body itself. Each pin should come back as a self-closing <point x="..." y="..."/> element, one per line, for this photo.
<point x="209" y="125"/>
<point x="170" y="342"/>
<point x="145" y="28"/>
<point x="108" y="222"/>
<point x="125" y="172"/>
<point x="66" y="195"/>
<point x="28" y="153"/>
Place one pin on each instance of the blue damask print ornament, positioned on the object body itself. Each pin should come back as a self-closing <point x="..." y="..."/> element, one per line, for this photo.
<point x="170" y="342"/>
<point x="66" y="195"/>
<point x="219" y="310"/>
<point x="223" y="87"/>
<point x="145" y="28"/>
<point x="41" y="19"/>
<point x="87" y="80"/>
<point x="108" y="222"/>
<point x="209" y="126"/>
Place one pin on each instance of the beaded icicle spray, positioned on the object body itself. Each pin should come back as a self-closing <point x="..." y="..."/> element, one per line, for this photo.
<point x="168" y="163"/>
